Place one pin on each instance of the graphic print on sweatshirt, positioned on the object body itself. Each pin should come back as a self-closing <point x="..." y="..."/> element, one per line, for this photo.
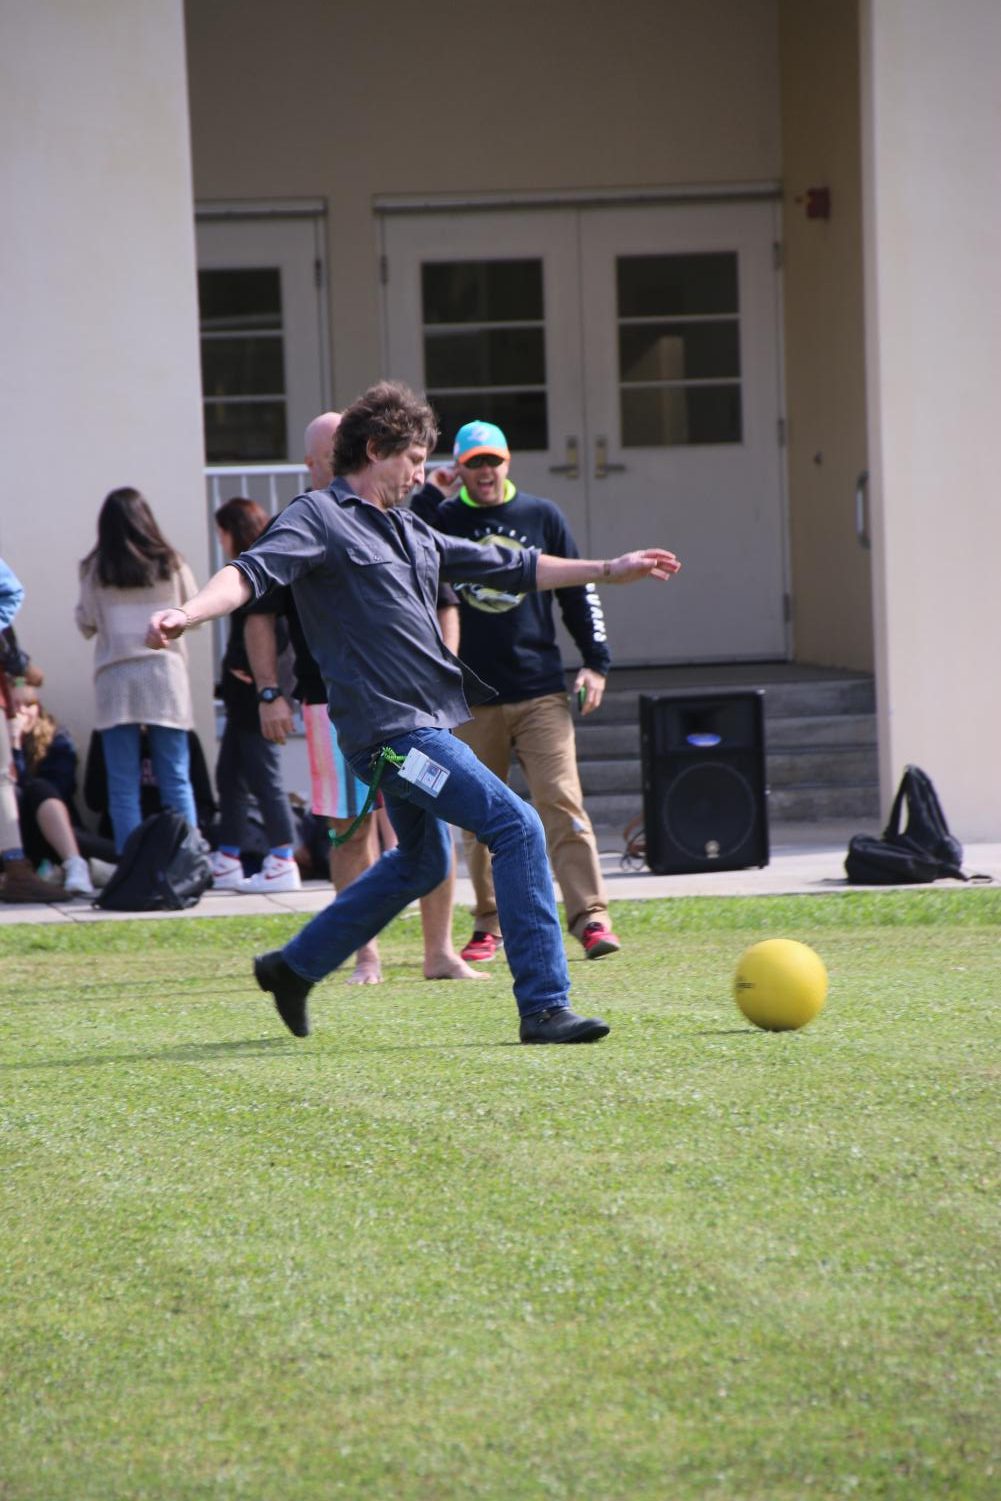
<point x="481" y="596"/>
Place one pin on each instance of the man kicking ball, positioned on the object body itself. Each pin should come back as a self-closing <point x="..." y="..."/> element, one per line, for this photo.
<point x="364" y="574"/>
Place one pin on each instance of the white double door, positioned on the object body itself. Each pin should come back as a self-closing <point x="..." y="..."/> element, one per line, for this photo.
<point x="631" y="354"/>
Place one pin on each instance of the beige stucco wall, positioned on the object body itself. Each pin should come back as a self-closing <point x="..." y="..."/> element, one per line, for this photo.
<point x="347" y="102"/>
<point x="824" y="332"/>
<point x="99" y="383"/>
<point x="931" y="146"/>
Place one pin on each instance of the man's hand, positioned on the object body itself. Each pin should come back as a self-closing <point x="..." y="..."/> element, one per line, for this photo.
<point x="165" y="626"/>
<point x="649" y="562"/>
<point x="277" y="723"/>
<point x="447" y="479"/>
<point x="593" y="685"/>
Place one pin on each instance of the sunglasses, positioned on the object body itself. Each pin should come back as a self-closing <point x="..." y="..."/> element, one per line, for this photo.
<point x="483" y="460"/>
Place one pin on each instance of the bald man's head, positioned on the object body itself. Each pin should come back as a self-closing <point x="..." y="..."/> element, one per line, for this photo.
<point x="319" y="441"/>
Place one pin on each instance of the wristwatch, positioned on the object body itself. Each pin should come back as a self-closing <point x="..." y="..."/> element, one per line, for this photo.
<point x="268" y="695"/>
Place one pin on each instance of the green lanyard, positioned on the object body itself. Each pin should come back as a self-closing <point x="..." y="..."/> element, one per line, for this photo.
<point x="380" y="761"/>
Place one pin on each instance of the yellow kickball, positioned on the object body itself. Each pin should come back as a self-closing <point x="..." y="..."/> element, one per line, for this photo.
<point x="780" y="984"/>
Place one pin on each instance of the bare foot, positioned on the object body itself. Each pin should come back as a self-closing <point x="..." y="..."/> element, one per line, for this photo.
<point x="451" y="967"/>
<point x="367" y="970"/>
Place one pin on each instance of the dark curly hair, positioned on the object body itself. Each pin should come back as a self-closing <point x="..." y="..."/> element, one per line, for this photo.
<point x="389" y="416"/>
<point x="131" y="551"/>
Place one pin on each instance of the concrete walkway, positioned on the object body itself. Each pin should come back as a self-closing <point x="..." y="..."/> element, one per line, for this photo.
<point x="807" y="858"/>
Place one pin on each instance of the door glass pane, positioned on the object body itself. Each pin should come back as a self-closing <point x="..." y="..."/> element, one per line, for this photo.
<point x="484" y="347"/>
<point x="679" y="349"/>
<point x="676" y="415"/>
<point x="488" y="357"/>
<point x="251" y="366"/>
<point x="252" y="432"/>
<point x="674" y="286"/>
<point x="243" y="365"/>
<point x="482" y="291"/>
<point x="521" y="415"/>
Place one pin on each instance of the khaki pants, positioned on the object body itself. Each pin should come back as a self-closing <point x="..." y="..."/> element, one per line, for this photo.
<point x="540" y="733"/>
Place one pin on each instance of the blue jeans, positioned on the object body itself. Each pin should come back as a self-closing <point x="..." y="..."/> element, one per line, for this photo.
<point x="169" y="751"/>
<point x="473" y="798"/>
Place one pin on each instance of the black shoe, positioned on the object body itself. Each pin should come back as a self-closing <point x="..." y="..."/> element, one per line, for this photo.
<point x="560" y="1024"/>
<point x="289" y="990"/>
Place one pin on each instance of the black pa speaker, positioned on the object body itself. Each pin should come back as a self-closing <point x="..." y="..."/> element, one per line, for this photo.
<point x="705" y="800"/>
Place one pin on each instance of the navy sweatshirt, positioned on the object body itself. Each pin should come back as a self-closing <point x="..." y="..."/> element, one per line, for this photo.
<point x="509" y="640"/>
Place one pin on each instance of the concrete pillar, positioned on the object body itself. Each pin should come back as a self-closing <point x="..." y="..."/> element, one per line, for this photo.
<point x="99" y="382"/>
<point x="931" y="133"/>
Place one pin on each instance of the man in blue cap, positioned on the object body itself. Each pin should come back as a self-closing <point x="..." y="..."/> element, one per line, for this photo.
<point x="509" y="640"/>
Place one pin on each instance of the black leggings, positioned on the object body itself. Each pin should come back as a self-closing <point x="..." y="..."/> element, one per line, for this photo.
<point x="249" y="764"/>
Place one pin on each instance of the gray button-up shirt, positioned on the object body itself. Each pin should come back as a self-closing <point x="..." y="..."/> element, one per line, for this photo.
<point x="364" y="582"/>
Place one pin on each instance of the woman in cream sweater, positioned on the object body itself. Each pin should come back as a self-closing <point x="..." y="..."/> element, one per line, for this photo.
<point x="131" y="571"/>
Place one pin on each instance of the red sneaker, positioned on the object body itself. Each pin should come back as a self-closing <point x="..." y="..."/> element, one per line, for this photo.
<point x="481" y="948"/>
<point x="599" y="941"/>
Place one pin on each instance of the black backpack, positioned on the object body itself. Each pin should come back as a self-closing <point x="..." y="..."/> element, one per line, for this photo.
<point x="162" y="867"/>
<point x="923" y="851"/>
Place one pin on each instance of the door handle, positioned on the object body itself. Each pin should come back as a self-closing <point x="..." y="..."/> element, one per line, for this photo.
<point x="572" y="466"/>
<point x="862" y="509"/>
<point x="601" y="465"/>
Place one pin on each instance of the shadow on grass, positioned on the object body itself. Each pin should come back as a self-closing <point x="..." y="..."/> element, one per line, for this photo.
<point x="192" y="1052"/>
<point x="197" y="1052"/>
<point x="724" y="1032"/>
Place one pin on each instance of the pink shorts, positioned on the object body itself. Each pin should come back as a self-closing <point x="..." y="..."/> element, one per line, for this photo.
<point x="335" y="791"/>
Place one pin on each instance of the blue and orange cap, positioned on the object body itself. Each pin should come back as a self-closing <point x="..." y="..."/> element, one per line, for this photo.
<point x="479" y="437"/>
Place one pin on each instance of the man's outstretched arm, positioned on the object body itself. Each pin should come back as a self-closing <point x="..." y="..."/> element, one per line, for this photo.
<point x="562" y="573"/>
<point x="224" y="592"/>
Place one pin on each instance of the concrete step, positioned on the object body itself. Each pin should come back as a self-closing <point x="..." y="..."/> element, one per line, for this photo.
<point x="808" y="804"/>
<point x="608" y="742"/>
<point x="842" y="766"/>
<point x="820" y="740"/>
<point x="610" y="812"/>
<point x="822" y="766"/>
<point x="795" y="731"/>
<point x="823" y="696"/>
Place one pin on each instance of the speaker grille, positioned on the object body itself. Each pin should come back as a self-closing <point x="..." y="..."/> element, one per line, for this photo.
<point x="704" y="791"/>
<point x="710" y="811"/>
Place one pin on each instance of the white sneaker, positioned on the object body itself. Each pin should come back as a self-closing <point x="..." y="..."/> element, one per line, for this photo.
<point x="227" y="872"/>
<point x="76" y="874"/>
<point x="101" y="871"/>
<point x="275" y="874"/>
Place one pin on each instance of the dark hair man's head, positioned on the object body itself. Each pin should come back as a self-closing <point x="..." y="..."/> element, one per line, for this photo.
<point x="387" y="420"/>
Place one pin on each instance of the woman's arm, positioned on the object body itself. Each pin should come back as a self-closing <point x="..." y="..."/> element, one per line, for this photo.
<point x="86" y="613"/>
<point x="186" y="583"/>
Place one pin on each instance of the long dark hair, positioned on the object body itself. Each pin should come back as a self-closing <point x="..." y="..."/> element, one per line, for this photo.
<point x="131" y="550"/>
<point x="242" y="520"/>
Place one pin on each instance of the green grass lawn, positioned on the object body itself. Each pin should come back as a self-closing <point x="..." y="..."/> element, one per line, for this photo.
<point x="407" y="1258"/>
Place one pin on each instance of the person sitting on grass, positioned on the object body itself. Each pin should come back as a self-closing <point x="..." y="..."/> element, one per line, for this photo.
<point x="45" y="762"/>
